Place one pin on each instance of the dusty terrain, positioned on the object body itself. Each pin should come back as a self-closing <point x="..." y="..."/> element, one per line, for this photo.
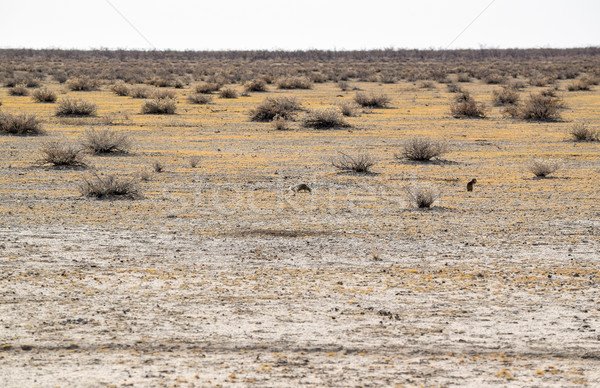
<point x="221" y="275"/>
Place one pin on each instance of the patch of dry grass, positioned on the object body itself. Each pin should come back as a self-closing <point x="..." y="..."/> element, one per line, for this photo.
<point x="20" y="124"/>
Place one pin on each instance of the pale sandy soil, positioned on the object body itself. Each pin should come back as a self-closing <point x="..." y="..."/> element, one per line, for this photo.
<point x="220" y="275"/>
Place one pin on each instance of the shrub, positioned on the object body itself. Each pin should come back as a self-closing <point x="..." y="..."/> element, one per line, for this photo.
<point x="19" y="125"/>
<point x="69" y="107"/>
<point x="280" y="124"/>
<point x="454" y="88"/>
<point x="109" y="186"/>
<point x="159" y="106"/>
<point x="427" y="85"/>
<point x="43" y="95"/>
<point x="543" y="168"/>
<point x="120" y="89"/>
<point x="324" y="118"/>
<point x="256" y="85"/>
<point x="207" y="87"/>
<point x="158" y="166"/>
<point x="163" y="94"/>
<point x="294" y="83"/>
<point x="538" y="108"/>
<point x="199" y="98"/>
<point x="82" y="84"/>
<point x="19" y="90"/>
<point x="349" y="109"/>
<point x="422" y="149"/>
<point x="465" y="106"/>
<point x="140" y="92"/>
<point x="463" y="77"/>
<point x="372" y="100"/>
<point x="228" y="93"/>
<point x="60" y="155"/>
<point x="506" y="96"/>
<point x="194" y="161"/>
<point x="271" y="107"/>
<point x="493" y="79"/>
<point x="577" y="85"/>
<point x="106" y="141"/>
<point x="422" y="196"/>
<point x="581" y="132"/>
<point x="360" y="163"/>
<point x="344" y="86"/>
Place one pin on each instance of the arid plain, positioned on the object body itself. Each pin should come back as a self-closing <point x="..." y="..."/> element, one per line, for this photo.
<point x="221" y="274"/>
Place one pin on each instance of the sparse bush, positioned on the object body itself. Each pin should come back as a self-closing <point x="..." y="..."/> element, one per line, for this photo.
<point x="543" y="168"/>
<point x="493" y="79"/>
<point x="120" y="89"/>
<point x="422" y="196"/>
<point x="577" y="85"/>
<point x="158" y="167"/>
<point x="582" y="132"/>
<point x="506" y="96"/>
<point x="422" y="149"/>
<point x="43" y="95"/>
<point x="69" y="107"/>
<point x="139" y="92"/>
<point x="294" y="83"/>
<point x="109" y="187"/>
<point x="194" y="161"/>
<point x="228" y="93"/>
<point x="106" y="141"/>
<point x="256" y="85"/>
<point x="271" y="107"/>
<point x="61" y="155"/>
<point x="199" y="98"/>
<point x="280" y="124"/>
<point x="19" y="125"/>
<point x="465" y="106"/>
<point x="537" y="108"/>
<point x="207" y="87"/>
<point x="82" y="84"/>
<point x="349" y="108"/>
<point x="159" y="82"/>
<point x="454" y="88"/>
<point x="19" y="90"/>
<point x="372" y="100"/>
<point x="344" y="86"/>
<point x="360" y="163"/>
<point x="161" y="94"/>
<point x="159" y="106"/>
<point x="427" y="85"/>
<point x="517" y="84"/>
<point x="463" y="77"/>
<point x="324" y="118"/>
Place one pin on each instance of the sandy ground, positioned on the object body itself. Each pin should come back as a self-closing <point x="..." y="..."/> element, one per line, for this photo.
<point x="221" y="275"/>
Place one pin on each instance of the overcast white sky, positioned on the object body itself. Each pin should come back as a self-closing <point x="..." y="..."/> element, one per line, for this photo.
<point x="295" y="24"/>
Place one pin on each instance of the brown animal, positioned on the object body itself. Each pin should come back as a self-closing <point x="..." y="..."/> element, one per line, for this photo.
<point x="470" y="184"/>
<point x="302" y="187"/>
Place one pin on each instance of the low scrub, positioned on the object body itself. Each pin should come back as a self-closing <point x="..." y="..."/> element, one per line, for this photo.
<point x="256" y="85"/>
<point x="582" y="132"/>
<point x="422" y="149"/>
<point x="140" y="92"/>
<point x="77" y="107"/>
<point x="163" y="94"/>
<point x="422" y="196"/>
<point x="465" y="106"/>
<point x="109" y="187"/>
<point x="578" y="85"/>
<point x="360" y="163"/>
<point x="294" y="83"/>
<point x="272" y="107"/>
<point x="207" y="87"/>
<point x="537" y="107"/>
<point x="43" y="95"/>
<point x="106" y="141"/>
<point x="120" y="89"/>
<point x="199" y="98"/>
<point x="57" y="154"/>
<point x="542" y="168"/>
<point x="19" y="90"/>
<point x="506" y="96"/>
<point x="324" y="118"/>
<point x="83" y="84"/>
<point x="20" y="125"/>
<point x="160" y="106"/>
<point x="228" y="93"/>
<point x="280" y="124"/>
<point x="372" y="100"/>
<point x="349" y="109"/>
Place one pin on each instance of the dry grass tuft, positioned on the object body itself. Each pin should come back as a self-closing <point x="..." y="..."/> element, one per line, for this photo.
<point x="324" y="118"/>
<point x="194" y="161"/>
<point x="19" y="90"/>
<point x="422" y="196"/>
<point x="106" y="141"/>
<point x="109" y="187"/>
<point x="82" y="84"/>
<point x="199" y="98"/>
<point x="228" y="93"/>
<point x="160" y="106"/>
<point x="256" y="85"/>
<point x="61" y="155"/>
<point x="465" y="106"/>
<point x="140" y="92"/>
<point x="43" y="95"/>
<point x="349" y="108"/>
<point x="20" y="125"/>
<point x="372" y="100"/>
<point x="69" y="107"/>
<point x="542" y="168"/>
<point x="422" y="149"/>
<point x="271" y="107"/>
<point x="538" y="107"/>
<point x="360" y="163"/>
<point x="207" y="87"/>
<point x="506" y="96"/>
<point x="294" y="83"/>
<point x="582" y="132"/>
<point x="120" y="89"/>
<point x="280" y="124"/>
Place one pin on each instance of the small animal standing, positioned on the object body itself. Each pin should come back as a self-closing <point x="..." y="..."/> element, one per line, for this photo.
<point x="302" y="187"/>
<point x="471" y="184"/>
